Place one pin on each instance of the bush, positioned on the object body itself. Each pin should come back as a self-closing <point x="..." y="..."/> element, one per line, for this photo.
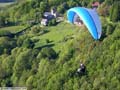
<point x="52" y="22"/>
<point x="28" y="43"/>
<point x="35" y="29"/>
<point x="115" y="12"/>
<point x="6" y="44"/>
<point x="2" y="21"/>
<point x="48" y="53"/>
<point x="5" y="33"/>
<point x="110" y="29"/>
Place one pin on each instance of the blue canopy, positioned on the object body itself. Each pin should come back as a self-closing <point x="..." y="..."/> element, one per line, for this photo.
<point x="89" y="17"/>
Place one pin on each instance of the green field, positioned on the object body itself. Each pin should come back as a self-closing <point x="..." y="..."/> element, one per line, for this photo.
<point x="57" y="35"/>
<point x="12" y="29"/>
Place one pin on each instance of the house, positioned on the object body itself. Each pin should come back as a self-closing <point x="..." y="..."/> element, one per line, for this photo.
<point x="95" y="4"/>
<point x="54" y="12"/>
<point x="47" y="16"/>
<point x="44" y="22"/>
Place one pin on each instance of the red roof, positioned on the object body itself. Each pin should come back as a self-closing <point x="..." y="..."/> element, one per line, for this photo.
<point x="95" y="4"/>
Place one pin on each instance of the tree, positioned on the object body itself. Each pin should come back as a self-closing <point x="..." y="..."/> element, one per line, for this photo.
<point x="43" y="6"/>
<point x="48" y="53"/>
<point x="30" y="82"/>
<point x="28" y="43"/>
<point x="52" y="22"/>
<point x="35" y="29"/>
<point x="115" y="12"/>
<point x="71" y="3"/>
<point x="2" y="21"/>
<point x="23" y="62"/>
<point x="110" y="29"/>
<point x="104" y="9"/>
<point x="61" y="9"/>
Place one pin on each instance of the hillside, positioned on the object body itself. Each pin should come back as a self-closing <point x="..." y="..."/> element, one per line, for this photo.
<point x="47" y="57"/>
<point x="100" y="57"/>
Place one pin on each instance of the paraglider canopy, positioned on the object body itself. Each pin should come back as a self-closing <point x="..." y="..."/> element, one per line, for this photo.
<point x="87" y="16"/>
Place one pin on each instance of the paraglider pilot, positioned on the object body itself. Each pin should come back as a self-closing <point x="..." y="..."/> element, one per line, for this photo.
<point x="81" y="69"/>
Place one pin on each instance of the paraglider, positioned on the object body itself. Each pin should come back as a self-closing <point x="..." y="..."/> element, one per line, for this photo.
<point x="87" y="16"/>
<point x="81" y="70"/>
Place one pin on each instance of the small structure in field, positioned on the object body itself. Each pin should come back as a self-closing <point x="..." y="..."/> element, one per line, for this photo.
<point x="44" y="22"/>
<point x="47" y="16"/>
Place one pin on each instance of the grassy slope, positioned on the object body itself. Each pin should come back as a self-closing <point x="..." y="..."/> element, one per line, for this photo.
<point x="57" y="34"/>
<point x="12" y="29"/>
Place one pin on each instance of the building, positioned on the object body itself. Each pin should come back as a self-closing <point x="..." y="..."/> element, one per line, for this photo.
<point x="54" y="12"/>
<point x="49" y="16"/>
<point x="44" y="22"/>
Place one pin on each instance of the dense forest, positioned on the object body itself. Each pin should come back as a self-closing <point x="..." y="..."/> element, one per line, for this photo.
<point x="47" y="57"/>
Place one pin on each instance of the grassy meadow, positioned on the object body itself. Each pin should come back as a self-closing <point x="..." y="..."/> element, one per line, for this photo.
<point x="57" y="35"/>
<point x="12" y="29"/>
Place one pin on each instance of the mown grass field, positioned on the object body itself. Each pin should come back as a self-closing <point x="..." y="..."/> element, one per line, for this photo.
<point x="12" y="29"/>
<point x="58" y="34"/>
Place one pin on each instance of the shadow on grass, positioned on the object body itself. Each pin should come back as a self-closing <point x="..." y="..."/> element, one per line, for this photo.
<point x="46" y="45"/>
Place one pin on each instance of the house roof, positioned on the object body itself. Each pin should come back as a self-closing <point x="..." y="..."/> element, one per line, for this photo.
<point x="47" y="13"/>
<point x="44" y="20"/>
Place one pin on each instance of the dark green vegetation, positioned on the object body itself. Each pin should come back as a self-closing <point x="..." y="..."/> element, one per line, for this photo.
<point x="46" y="58"/>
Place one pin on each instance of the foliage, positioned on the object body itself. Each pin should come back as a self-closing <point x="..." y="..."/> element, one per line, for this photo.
<point x="28" y="43"/>
<point x="48" y="53"/>
<point x="2" y="21"/>
<point x="5" y="33"/>
<point x="115" y="11"/>
<point x="103" y="10"/>
<point x="52" y="22"/>
<point x="49" y="61"/>
<point x="29" y="67"/>
<point x="35" y="29"/>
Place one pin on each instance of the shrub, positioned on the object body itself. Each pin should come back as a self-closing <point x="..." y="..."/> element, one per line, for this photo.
<point x="28" y="43"/>
<point x="110" y="29"/>
<point x="48" y="53"/>
<point x="35" y="29"/>
<point x="5" y="33"/>
<point x="52" y="22"/>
